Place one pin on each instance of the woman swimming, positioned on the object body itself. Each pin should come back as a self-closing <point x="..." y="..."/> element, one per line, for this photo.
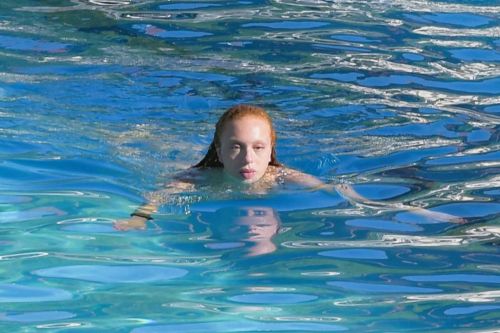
<point x="243" y="154"/>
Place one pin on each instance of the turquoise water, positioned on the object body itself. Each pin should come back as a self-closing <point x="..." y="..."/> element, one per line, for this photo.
<point x="103" y="101"/>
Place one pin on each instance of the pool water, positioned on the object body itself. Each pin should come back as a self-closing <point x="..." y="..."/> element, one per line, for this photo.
<point x="103" y="101"/>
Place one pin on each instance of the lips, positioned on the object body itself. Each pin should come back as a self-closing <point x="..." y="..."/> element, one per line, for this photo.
<point x="247" y="173"/>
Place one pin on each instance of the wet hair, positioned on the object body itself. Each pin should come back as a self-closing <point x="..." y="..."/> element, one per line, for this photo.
<point x="211" y="159"/>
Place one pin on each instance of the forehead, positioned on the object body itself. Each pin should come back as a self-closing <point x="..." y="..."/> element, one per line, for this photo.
<point x="248" y="123"/>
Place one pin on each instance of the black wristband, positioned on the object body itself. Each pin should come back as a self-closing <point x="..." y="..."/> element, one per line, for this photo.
<point x="141" y="214"/>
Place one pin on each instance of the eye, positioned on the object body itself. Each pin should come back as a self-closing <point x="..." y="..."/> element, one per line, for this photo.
<point x="259" y="148"/>
<point x="235" y="147"/>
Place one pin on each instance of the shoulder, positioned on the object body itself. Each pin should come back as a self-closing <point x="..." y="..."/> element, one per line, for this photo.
<point x="189" y="175"/>
<point x="301" y="178"/>
<point x="285" y="175"/>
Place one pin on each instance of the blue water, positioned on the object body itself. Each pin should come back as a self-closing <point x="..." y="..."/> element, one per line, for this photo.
<point x="102" y="102"/>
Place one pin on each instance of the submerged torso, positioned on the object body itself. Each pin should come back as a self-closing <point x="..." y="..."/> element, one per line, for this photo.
<point x="209" y="189"/>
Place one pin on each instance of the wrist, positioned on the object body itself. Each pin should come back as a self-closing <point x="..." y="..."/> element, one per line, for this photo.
<point x="143" y="215"/>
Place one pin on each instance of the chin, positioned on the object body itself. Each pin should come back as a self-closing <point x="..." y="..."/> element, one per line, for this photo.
<point x="249" y="181"/>
<point x="252" y="180"/>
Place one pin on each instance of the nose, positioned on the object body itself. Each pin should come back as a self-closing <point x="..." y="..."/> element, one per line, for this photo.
<point x="249" y="155"/>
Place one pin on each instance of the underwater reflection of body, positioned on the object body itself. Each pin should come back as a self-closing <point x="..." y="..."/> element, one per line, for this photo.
<point x="240" y="226"/>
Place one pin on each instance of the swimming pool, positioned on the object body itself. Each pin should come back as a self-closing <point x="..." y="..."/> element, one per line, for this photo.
<point x="102" y="101"/>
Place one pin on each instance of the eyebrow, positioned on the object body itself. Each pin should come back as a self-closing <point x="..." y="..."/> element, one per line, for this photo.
<point x="233" y="141"/>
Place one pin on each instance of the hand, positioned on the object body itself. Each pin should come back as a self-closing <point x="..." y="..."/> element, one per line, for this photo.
<point x="443" y="217"/>
<point x="132" y="223"/>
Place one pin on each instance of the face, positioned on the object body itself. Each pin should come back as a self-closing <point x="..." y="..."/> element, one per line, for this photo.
<point x="260" y="225"/>
<point x="245" y="148"/>
<point x="259" y="221"/>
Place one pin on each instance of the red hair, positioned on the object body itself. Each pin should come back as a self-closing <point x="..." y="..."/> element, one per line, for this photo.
<point x="211" y="159"/>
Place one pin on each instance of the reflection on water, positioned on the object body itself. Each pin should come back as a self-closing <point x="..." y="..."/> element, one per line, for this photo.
<point x="101" y="101"/>
<point x="254" y="226"/>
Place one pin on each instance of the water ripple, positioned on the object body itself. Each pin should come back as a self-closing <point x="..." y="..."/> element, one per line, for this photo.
<point x="17" y="293"/>
<point x="30" y="317"/>
<point x="241" y="326"/>
<point x="115" y="274"/>
<point x="472" y="236"/>
<point x="21" y="256"/>
<point x="476" y="297"/>
<point x="440" y="31"/>
<point x="117" y="259"/>
<point x="103" y="100"/>
<point x="381" y="288"/>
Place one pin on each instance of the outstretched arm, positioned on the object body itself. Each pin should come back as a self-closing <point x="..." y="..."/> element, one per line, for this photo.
<point x="139" y="217"/>
<point x="350" y="194"/>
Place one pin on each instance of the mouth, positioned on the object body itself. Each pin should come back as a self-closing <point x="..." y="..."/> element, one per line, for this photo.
<point x="247" y="173"/>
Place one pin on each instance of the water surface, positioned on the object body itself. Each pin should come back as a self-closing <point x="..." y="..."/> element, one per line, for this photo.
<point x="103" y="101"/>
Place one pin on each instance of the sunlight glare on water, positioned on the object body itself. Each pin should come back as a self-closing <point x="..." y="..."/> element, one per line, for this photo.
<point x="102" y="101"/>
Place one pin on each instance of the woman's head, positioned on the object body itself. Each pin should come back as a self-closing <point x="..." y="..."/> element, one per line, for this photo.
<point x="243" y="143"/>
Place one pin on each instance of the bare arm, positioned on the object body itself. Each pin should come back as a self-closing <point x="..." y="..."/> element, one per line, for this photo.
<point x="139" y="217"/>
<point x="350" y="194"/>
